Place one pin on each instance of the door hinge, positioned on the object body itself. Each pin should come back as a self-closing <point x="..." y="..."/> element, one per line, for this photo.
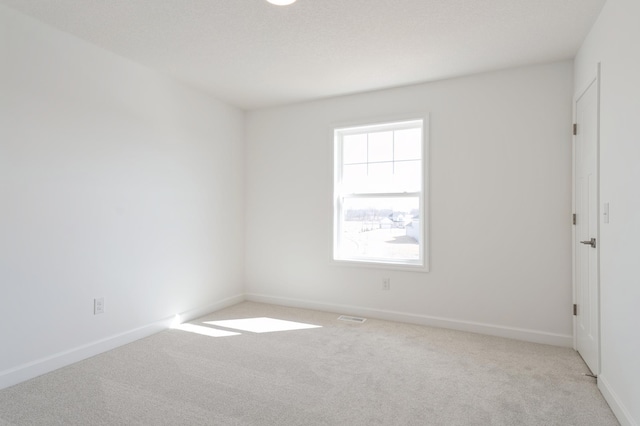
<point x="574" y="218"/>
<point x="575" y="309"/>
<point x="575" y="129"/>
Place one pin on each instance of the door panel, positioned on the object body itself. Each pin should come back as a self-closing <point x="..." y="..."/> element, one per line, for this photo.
<point x="587" y="222"/>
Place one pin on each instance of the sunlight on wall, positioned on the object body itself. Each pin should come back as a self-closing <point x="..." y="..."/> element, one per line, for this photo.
<point x="176" y="321"/>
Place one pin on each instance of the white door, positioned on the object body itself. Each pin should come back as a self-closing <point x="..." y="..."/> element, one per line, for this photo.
<point x="587" y="294"/>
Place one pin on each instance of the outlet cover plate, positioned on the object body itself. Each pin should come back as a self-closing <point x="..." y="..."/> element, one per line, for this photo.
<point x="386" y="284"/>
<point x="98" y="306"/>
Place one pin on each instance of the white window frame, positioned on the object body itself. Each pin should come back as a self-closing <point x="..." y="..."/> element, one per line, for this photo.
<point x="420" y="265"/>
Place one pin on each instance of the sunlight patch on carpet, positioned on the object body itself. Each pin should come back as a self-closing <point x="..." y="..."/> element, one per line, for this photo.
<point x="262" y="325"/>
<point x="352" y="319"/>
<point x="205" y="331"/>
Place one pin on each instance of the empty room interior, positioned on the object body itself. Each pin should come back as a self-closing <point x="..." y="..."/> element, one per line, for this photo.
<point x="324" y="212"/>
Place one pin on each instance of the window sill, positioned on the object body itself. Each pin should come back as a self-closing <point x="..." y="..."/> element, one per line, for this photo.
<point x="356" y="263"/>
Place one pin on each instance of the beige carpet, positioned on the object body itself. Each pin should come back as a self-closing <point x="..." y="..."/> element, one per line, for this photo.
<point x="375" y="373"/>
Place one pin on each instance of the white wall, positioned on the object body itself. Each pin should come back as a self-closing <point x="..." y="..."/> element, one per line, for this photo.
<point x="115" y="181"/>
<point x="500" y="228"/>
<point x="613" y="42"/>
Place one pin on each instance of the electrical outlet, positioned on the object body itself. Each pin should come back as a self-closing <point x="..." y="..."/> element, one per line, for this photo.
<point x="386" y="284"/>
<point x="98" y="306"/>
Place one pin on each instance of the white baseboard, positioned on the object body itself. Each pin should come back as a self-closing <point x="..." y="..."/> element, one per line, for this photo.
<point x="618" y="408"/>
<point x="474" y="327"/>
<point x="45" y="365"/>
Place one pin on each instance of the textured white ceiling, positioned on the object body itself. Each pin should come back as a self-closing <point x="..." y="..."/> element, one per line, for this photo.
<point x="253" y="54"/>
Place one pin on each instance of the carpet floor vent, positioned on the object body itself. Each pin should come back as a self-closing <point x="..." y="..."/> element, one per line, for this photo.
<point x="351" y="319"/>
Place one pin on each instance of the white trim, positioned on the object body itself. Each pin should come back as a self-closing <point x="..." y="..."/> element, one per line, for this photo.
<point x="382" y="194"/>
<point x="382" y="264"/>
<point x="574" y="297"/>
<point x="534" y="336"/>
<point x="379" y="126"/>
<point x="618" y="408"/>
<point x="53" y="362"/>
<point x="339" y="130"/>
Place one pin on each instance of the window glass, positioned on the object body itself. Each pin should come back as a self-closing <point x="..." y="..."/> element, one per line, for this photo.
<point x="376" y="228"/>
<point x="380" y="147"/>
<point x="407" y="145"/>
<point x="355" y="149"/>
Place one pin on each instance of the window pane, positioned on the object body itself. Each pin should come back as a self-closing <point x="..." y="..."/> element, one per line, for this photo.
<point x="354" y="178"/>
<point x="380" y="178"/>
<point x="408" y="176"/>
<point x="380" y="228"/>
<point x="407" y="144"/>
<point x="381" y="146"/>
<point x="354" y="149"/>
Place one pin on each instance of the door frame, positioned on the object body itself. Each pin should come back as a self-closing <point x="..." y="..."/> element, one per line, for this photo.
<point x="597" y="81"/>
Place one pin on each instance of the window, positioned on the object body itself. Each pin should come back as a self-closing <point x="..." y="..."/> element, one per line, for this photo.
<point x="379" y="194"/>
